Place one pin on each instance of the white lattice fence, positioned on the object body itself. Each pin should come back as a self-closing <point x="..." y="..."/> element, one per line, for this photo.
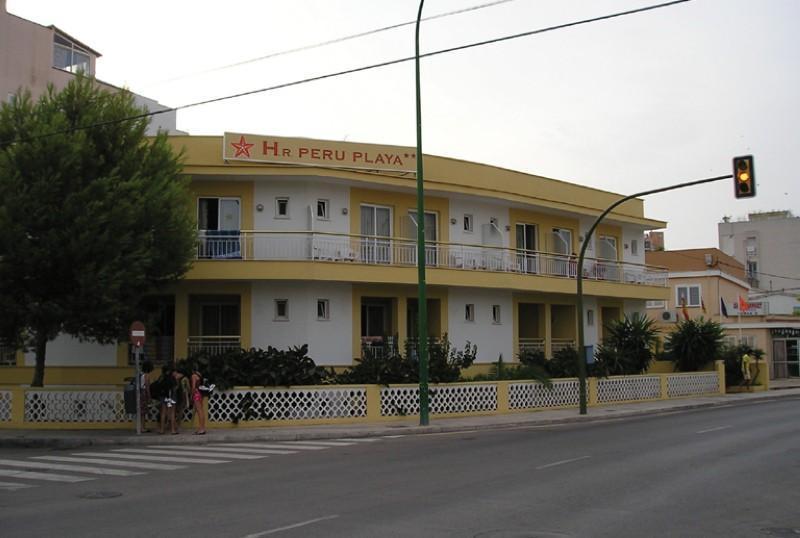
<point x="75" y="406"/>
<point x="692" y="384"/>
<point x="628" y="388"/>
<point x="287" y="404"/>
<point x="5" y="406"/>
<point x="532" y="395"/>
<point x="444" y="399"/>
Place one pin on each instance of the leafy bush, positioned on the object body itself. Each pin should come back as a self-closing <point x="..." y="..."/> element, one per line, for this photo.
<point x="694" y="343"/>
<point x="732" y="355"/>
<point x="387" y="365"/>
<point x="500" y="371"/>
<point x="628" y="350"/>
<point x="257" y="367"/>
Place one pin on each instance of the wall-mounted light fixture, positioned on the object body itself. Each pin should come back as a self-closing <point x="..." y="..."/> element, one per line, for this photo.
<point x="453" y="221"/>
<point x="344" y="211"/>
<point x="508" y="227"/>
<point x="259" y="207"/>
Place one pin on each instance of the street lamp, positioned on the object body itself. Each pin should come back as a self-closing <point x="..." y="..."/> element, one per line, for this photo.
<point x="422" y="303"/>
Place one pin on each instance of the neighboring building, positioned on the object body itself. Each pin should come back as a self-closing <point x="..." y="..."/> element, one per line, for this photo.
<point x="768" y="245"/>
<point x="33" y="56"/>
<point x="711" y="284"/>
<point x="312" y="242"/>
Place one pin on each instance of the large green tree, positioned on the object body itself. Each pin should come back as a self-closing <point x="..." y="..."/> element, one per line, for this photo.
<point x="93" y="215"/>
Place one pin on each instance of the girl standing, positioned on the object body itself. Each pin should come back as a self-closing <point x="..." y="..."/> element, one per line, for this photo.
<point x="197" y="401"/>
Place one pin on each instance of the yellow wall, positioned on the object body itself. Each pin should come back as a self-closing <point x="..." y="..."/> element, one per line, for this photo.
<point x="233" y="189"/>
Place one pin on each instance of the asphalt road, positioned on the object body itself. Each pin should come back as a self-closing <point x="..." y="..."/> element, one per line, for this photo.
<point x="731" y="471"/>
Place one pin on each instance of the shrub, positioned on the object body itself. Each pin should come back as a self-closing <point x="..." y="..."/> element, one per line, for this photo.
<point x="694" y="343"/>
<point x="628" y="350"/>
<point x="500" y="371"/>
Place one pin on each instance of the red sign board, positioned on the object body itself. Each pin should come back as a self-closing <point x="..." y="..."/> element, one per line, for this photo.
<point x="137" y="333"/>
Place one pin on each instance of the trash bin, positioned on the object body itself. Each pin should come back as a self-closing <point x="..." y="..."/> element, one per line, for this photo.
<point x="129" y="396"/>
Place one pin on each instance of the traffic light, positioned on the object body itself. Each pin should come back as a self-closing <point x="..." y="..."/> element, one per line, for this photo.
<point x="744" y="177"/>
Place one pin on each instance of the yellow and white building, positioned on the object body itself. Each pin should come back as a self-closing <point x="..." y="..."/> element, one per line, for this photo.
<point x="313" y="242"/>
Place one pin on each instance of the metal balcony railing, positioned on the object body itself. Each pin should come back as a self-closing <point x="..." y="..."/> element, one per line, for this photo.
<point x="213" y="345"/>
<point x="531" y="344"/>
<point x="344" y="248"/>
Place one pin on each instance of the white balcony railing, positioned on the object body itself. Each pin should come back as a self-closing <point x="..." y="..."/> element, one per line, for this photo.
<point x="213" y="345"/>
<point x="531" y="344"/>
<point x="343" y="248"/>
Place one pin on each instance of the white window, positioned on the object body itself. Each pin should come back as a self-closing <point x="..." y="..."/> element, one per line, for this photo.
<point x="469" y="313"/>
<point x="562" y="241"/>
<point x="281" y="309"/>
<point x="218" y="214"/>
<point x="748" y="341"/>
<point x="689" y="295"/>
<point x="12" y="97"/>
<point x="656" y="304"/>
<point x="496" y="314"/>
<point x="590" y="318"/>
<point x="323" y="309"/>
<point x="69" y="56"/>
<point x="282" y="208"/>
<point x="468" y="223"/>
<point x="634" y="247"/>
<point x="323" y="210"/>
<point x="608" y="247"/>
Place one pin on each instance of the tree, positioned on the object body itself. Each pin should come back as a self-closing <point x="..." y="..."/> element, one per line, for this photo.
<point x="628" y="350"/>
<point x="694" y="343"/>
<point x="91" y="218"/>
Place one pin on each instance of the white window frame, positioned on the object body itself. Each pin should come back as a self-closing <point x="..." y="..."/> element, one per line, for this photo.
<point x="688" y="288"/>
<point x="469" y="313"/>
<point x="278" y="317"/>
<point x="326" y="209"/>
<point x="278" y="200"/>
<point x="220" y="200"/>
<point x="656" y="304"/>
<point x="469" y="223"/>
<point x="611" y="241"/>
<point x="496" y="314"/>
<point x="325" y="313"/>
<point x="590" y="317"/>
<point x="634" y="247"/>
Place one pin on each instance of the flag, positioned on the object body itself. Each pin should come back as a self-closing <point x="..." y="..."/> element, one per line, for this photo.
<point x="743" y="306"/>
<point x="684" y="310"/>
<point x="723" y="310"/>
<point x="703" y="305"/>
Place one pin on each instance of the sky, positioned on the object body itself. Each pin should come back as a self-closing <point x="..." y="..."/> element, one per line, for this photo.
<point x="625" y="105"/>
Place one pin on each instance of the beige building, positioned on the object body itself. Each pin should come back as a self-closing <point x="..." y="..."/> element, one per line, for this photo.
<point x="711" y="283"/>
<point x="33" y="56"/>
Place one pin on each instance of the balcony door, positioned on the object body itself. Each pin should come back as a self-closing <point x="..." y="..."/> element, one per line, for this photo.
<point x="430" y="237"/>
<point x="607" y="250"/>
<point x="376" y="229"/>
<point x="219" y="222"/>
<point x="527" y="262"/>
<point x="562" y="247"/>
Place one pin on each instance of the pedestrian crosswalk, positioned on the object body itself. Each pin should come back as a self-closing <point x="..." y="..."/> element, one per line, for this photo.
<point x="24" y="473"/>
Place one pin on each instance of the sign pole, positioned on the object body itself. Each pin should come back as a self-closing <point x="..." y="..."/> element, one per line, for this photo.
<point x="137" y="351"/>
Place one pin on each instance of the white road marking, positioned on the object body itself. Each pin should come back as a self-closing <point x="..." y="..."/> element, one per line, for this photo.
<point x="261" y="448"/>
<point x="13" y="486"/>
<point x="319" y="443"/>
<point x="43" y="476"/>
<point x="64" y="467"/>
<point x="718" y="428"/>
<point x="150" y="457"/>
<point x="281" y="446"/>
<point x="359" y="439"/>
<point x="393" y="436"/>
<point x="193" y="454"/>
<point x="220" y="448"/>
<point x="116" y="463"/>
<point x="288" y="527"/>
<point x="562" y="462"/>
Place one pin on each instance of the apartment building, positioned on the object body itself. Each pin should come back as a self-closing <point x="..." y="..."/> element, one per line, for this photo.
<point x="711" y="284"/>
<point x="32" y="56"/>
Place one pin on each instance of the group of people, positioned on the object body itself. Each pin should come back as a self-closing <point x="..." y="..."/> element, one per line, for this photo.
<point x="177" y="391"/>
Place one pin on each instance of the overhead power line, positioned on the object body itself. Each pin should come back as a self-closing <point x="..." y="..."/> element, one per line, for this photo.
<point x="362" y="68"/>
<point x="328" y="42"/>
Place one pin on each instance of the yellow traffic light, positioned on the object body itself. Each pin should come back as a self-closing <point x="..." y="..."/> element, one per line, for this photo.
<point x="744" y="184"/>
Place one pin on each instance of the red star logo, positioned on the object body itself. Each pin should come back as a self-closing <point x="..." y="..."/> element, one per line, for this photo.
<point x="242" y="148"/>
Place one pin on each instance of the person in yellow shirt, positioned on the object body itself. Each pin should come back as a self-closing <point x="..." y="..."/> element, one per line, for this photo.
<point x="746" y="368"/>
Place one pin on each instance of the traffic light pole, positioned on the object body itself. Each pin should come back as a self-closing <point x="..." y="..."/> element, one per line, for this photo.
<point x="579" y="276"/>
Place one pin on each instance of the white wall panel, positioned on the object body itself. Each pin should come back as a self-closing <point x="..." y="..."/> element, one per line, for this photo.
<point x="491" y="339"/>
<point x="68" y="351"/>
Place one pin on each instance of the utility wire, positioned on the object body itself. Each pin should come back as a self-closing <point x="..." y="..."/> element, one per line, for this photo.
<point x="358" y="69"/>
<point x="726" y="264"/>
<point x="328" y="42"/>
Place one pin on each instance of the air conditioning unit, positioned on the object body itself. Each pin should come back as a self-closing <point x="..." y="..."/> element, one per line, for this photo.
<point x="668" y="315"/>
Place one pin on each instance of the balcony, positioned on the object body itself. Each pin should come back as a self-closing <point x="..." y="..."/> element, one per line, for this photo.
<point x="213" y="345"/>
<point x="356" y="249"/>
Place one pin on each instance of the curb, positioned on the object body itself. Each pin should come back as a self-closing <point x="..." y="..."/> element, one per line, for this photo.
<point x="612" y="414"/>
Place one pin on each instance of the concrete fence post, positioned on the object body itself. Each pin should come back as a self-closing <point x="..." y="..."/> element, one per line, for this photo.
<point x="502" y="396"/>
<point x="664" y="381"/>
<point x="593" y="392"/>
<point x="17" y="407"/>
<point x="373" y="402"/>
<point x="720" y="367"/>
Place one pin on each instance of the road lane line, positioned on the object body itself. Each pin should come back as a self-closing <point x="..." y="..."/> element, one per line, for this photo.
<point x="259" y="448"/>
<point x="14" y="486"/>
<point x="281" y="446"/>
<point x="52" y="477"/>
<point x="150" y="457"/>
<point x="714" y="429"/>
<point x="66" y="467"/>
<point x="562" y="462"/>
<point x="195" y="454"/>
<point x="320" y="443"/>
<point x="115" y="463"/>
<point x="358" y="439"/>
<point x="219" y="448"/>
<point x="289" y="527"/>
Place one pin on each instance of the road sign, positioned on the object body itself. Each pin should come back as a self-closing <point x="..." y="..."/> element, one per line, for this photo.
<point x="137" y="334"/>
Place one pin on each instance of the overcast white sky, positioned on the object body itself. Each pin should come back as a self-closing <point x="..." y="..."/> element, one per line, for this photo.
<point x="625" y="105"/>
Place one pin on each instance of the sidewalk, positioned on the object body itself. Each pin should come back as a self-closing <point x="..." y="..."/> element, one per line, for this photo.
<point x="68" y="439"/>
